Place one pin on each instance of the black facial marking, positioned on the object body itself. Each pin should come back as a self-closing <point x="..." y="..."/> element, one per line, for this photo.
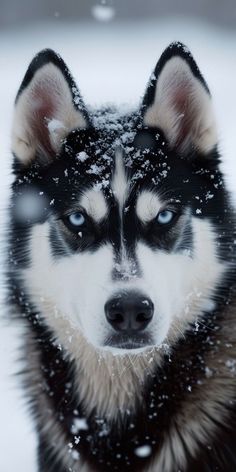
<point x="59" y="246"/>
<point x="189" y="187"/>
<point x="186" y="241"/>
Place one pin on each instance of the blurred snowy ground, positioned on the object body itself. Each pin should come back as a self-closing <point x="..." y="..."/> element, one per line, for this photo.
<point x="112" y="63"/>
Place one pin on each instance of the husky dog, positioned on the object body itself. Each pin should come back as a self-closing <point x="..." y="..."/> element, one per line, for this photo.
<point x="122" y="269"/>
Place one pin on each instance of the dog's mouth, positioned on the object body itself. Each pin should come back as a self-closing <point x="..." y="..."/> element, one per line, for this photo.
<point x="128" y="342"/>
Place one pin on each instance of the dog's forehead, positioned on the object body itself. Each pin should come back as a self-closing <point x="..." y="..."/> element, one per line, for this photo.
<point x="121" y="185"/>
<point x="116" y="159"/>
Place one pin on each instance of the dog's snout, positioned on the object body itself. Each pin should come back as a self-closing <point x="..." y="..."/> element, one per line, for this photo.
<point x="129" y="312"/>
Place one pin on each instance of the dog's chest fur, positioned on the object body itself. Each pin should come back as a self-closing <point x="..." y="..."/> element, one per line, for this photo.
<point x="182" y="403"/>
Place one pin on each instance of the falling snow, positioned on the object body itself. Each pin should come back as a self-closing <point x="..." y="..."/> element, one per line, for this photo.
<point x="103" y="13"/>
<point x="79" y="424"/>
<point x="143" y="451"/>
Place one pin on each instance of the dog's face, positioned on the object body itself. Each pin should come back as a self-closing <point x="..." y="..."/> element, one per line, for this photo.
<point x="116" y="215"/>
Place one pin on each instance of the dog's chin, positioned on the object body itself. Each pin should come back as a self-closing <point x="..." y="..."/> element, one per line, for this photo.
<point x="120" y="344"/>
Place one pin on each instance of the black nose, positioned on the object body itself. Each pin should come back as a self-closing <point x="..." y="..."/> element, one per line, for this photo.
<point x="129" y="312"/>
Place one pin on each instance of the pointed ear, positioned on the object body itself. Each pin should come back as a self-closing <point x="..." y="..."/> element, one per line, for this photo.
<point x="48" y="106"/>
<point x="178" y="102"/>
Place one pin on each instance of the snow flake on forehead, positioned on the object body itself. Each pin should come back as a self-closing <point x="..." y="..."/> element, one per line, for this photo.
<point x="143" y="451"/>
<point x="148" y="206"/>
<point x="116" y="128"/>
<point x="90" y="156"/>
<point x="94" y="203"/>
<point x="120" y="184"/>
<point x="150" y="156"/>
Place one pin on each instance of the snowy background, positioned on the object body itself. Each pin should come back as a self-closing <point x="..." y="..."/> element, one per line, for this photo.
<point x="111" y="58"/>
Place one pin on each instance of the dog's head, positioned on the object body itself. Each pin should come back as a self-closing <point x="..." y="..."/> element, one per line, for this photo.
<point x="115" y="216"/>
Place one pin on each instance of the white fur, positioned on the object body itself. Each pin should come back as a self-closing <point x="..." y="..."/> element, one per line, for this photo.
<point x="148" y="206"/>
<point x="180" y="100"/>
<point x="93" y="201"/>
<point x="120" y="185"/>
<point x="49" y="89"/>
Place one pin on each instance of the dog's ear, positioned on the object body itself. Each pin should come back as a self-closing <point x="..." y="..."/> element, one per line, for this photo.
<point x="48" y="106"/>
<point x="178" y="102"/>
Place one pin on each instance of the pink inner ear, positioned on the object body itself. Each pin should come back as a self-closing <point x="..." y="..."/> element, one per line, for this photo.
<point x="43" y="109"/>
<point x="182" y="103"/>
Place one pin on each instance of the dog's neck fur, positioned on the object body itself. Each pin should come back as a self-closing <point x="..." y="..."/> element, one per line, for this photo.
<point x="163" y="390"/>
<point x="114" y="385"/>
<point x="95" y="388"/>
<point x="106" y="383"/>
<point x="109" y="385"/>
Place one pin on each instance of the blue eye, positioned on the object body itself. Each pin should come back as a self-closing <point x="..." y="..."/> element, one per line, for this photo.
<point x="76" y="219"/>
<point x="165" y="217"/>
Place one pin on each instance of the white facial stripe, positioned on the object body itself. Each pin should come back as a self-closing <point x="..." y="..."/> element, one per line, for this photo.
<point x="148" y="206"/>
<point x="94" y="203"/>
<point x="120" y="183"/>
